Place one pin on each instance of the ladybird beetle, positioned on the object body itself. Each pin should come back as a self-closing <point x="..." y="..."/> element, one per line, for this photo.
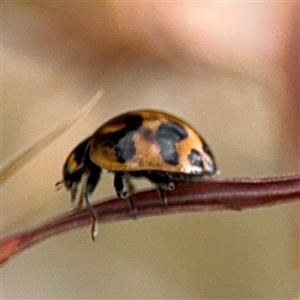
<point x="143" y="143"/>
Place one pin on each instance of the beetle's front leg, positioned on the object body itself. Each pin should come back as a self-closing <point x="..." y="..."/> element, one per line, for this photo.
<point x="88" y="189"/>
<point x="119" y="187"/>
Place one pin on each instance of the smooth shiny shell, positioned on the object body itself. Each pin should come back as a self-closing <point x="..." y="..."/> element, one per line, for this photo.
<point x="150" y="140"/>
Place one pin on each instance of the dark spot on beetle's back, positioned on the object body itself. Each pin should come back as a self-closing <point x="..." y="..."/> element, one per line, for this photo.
<point x="125" y="149"/>
<point x="195" y="158"/>
<point x="167" y="136"/>
<point x="133" y="122"/>
<point x="111" y="139"/>
<point x="171" y="131"/>
<point x="122" y="140"/>
<point x="168" y="152"/>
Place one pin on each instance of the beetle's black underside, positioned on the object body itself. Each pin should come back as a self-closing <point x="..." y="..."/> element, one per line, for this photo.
<point x="159" y="176"/>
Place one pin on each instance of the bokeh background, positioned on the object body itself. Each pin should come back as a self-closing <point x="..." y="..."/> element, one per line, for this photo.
<point x="230" y="69"/>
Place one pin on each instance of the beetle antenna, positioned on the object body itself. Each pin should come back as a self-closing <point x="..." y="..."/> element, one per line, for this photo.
<point x="58" y="184"/>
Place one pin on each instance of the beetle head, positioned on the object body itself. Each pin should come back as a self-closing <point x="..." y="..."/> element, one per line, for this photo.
<point x="75" y="167"/>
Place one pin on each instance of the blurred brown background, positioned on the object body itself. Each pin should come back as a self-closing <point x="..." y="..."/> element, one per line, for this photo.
<point x="230" y="69"/>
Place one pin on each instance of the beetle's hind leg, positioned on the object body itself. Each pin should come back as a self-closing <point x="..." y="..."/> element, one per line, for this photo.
<point x="120" y="179"/>
<point x="163" y="183"/>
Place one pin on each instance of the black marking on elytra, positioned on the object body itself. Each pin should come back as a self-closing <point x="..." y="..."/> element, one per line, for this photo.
<point x="122" y="140"/>
<point x="168" y="152"/>
<point x="125" y="149"/>
<point x="171" y="131"/>
<point x="167" y="136"/>
<point x="195" y="158"/>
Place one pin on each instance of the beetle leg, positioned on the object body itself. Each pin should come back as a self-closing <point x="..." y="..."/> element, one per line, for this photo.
<point x="88" y="189"/>
<point x="162" y="196"/>
<point x="119" y="187"/>
<point x="163" y="183"/>
<point x="74" y="192"/>
<point x="81" y="197"/>
<point x="94" y="217"/>
<point x="162" y="187"/>
<point x="130" y="192"/>
<point x="129" y="185"/>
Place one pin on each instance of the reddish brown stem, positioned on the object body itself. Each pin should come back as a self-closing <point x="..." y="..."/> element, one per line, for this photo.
<point x="234" y="194"/>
